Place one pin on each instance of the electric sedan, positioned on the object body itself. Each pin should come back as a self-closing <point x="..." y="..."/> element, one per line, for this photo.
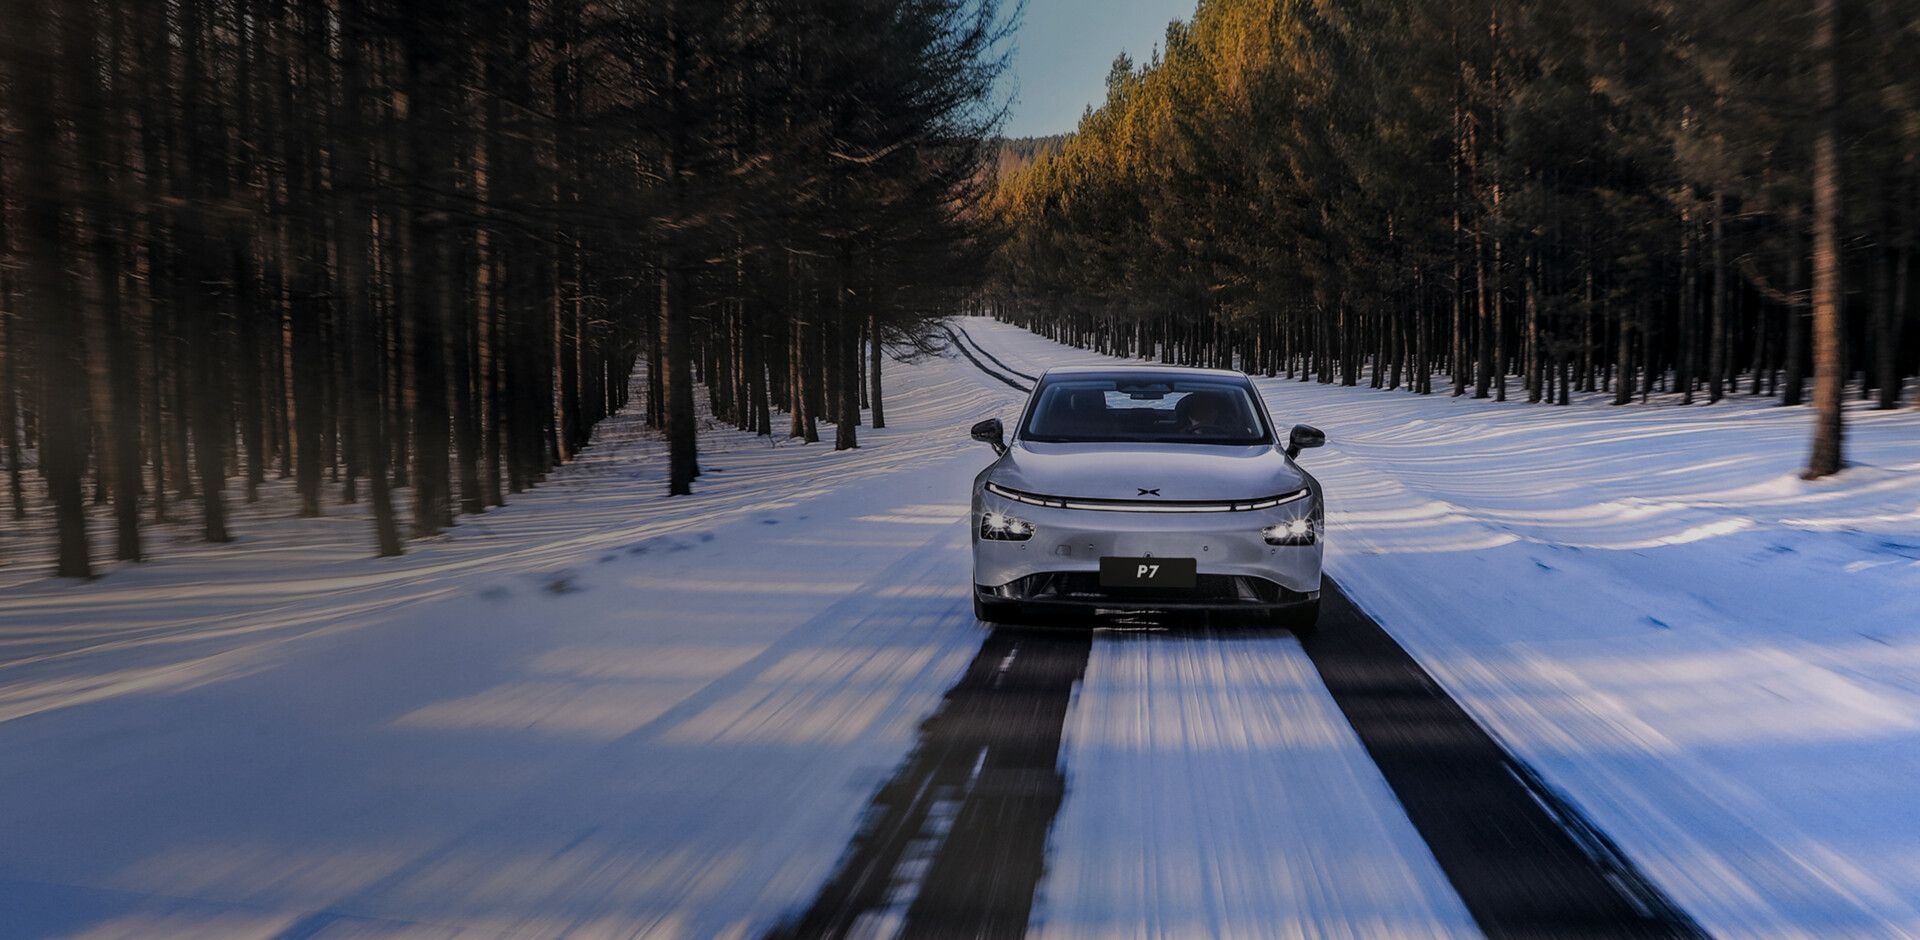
<point x="1146" y="490"/>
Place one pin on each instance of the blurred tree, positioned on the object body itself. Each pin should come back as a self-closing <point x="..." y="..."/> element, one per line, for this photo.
<point x="1616" y="199"/>
<point x="423" y="246"/>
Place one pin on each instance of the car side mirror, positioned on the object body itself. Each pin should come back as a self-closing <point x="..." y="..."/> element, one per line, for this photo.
<point x="992" y="432"/>
<point x="1303" y="437"/>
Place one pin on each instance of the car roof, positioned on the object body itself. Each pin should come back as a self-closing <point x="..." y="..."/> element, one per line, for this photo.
<point x="1170" y="371"/>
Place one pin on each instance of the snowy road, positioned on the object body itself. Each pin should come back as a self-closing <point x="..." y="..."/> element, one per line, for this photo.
<point x="1522" y="860"/>
<point x="672" y="725"/>
<point x="676" y="730"/>
<point x="767" y="711"/>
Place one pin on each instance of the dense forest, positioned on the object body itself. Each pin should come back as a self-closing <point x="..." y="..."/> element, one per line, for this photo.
<point x="413" y="250"/>
<point x="1516" y="197"/>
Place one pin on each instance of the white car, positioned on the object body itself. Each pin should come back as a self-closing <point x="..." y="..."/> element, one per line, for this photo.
<point x="1146" y="490"/>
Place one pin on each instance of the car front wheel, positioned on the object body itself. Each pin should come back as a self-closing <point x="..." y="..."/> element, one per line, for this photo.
<point x="1303" y="621"/>
<point x="987" y="611"/>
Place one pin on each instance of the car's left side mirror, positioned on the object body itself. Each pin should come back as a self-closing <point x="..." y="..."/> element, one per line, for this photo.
<point x="992" y="432"/>
<point x="1303" y="437"/>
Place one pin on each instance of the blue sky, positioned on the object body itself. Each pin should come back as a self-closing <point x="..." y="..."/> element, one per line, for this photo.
<point x="1064" y="48"/>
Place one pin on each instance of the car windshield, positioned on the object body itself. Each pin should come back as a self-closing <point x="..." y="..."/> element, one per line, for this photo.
<point x="1145" y="409"/>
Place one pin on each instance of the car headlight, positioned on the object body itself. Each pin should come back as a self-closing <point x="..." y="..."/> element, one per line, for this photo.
<point x="1292" y="532"/>
<point x="1001" y="527"/>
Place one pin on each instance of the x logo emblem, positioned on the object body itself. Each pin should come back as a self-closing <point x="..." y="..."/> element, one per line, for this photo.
<point x="1151" y="492"/>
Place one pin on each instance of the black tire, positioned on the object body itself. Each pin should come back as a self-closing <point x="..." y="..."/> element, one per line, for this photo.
<point x="996" y="612"/>
<point x="1302" y="621"/>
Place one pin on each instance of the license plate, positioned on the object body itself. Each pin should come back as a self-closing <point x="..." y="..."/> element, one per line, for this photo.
<point x="1149" y="572"/>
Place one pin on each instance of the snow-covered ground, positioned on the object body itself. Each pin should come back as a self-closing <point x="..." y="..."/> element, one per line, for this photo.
<point x="1718" y="661"/>
<point x="601" y="712"/>
<point x="597" y="711"/>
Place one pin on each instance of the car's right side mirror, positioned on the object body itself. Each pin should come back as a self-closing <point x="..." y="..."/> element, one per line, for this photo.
<point x="992" y="432"/>
<point x="1303" y="437"/>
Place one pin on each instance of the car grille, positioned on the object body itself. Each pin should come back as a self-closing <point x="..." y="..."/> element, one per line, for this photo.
<point x="1084" y="587"/>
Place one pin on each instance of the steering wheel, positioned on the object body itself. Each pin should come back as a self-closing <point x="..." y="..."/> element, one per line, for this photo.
<point x="1210" y="430"/>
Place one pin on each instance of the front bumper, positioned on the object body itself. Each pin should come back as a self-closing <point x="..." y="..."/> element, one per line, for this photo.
<point x="1060" y="564"/>
<point x="1082" y="591"/>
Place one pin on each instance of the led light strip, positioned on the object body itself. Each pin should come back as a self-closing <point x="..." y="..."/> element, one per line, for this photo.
<point x="1127" y="505"/>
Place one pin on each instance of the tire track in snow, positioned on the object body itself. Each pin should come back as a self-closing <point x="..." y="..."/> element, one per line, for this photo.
<point x="982" y="350"/>
<point x="964" y="351"/>
<point x="1524" y="861"/>
<point x="955" y="843"/>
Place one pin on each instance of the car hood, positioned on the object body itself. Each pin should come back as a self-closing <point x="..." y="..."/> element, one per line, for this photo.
<point x="1121" y="471"/>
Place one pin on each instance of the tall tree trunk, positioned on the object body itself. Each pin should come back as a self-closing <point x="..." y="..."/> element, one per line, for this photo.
<point x="1902" y="273"/>
<point x="1483" y="342"/>
<point x="1588" y="354"/>
<point x="9" y="349"/>
<point x="1886" y="335"/>
<point x="1535" y="372"/>
<point x="1717" y="329"/>
<point x="876" y="351"/>
<point x="98" y="149"/>
<point x="489" y="348"/>
<point x="757" y="342"/>
<point x="1794" y="358"/>
<point x="846" y="350"/>
<point x="1623" y="362"/>
<point x="462" y="349"/>
<point x="307" y="401"/>
<point x="210" y="249"/>
<point x="305" y="348"/>
<point x="1687" y="303"/>
<point x="683" y="454"/>
<point x="683" y="459"/>
<point x="1828" y="453"/>
<point x="51" y="295"/>
<point x="355" y="282"/>
<point x="429" y="288"/>
<point x="10" y="400"/>
<point x="1499" y="354"/>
